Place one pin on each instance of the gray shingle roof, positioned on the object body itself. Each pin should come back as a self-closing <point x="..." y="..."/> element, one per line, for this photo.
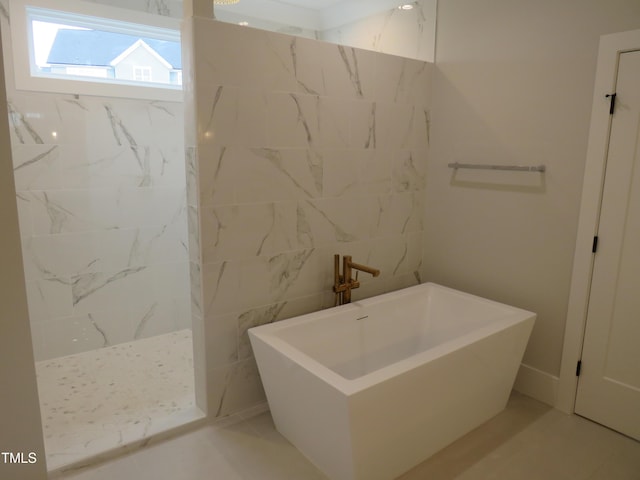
<point x="99" y="48"/>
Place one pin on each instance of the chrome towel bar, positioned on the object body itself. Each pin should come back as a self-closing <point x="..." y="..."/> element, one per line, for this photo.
<point x="475" y="166"/>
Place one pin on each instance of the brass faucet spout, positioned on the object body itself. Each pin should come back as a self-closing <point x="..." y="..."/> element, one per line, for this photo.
<point x="363" y="268"/>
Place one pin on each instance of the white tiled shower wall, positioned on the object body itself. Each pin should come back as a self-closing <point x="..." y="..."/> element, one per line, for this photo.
<point x="101" y="196"/>
<point x="296" y="149"/>
<point x="306" y="149"/>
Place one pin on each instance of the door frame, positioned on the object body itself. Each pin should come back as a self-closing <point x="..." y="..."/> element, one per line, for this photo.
<point x="611" y="46"/>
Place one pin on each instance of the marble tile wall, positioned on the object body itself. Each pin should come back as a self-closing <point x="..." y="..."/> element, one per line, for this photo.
<point x="296" y="149"/>
<point x="102" y="203"/>
<point x="408" y="33"/>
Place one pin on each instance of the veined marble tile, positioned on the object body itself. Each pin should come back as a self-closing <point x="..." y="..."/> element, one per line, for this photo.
<point x="228" y="115"/>
<point x="402" y="80"/>
<point x="294" y="120"/>
<point x="234" y="387"/>
<point x="334" y="70"/>
<point x="253" y="318"/>
<point x="251" y="58"/>
<point x="422" y="128"/>
<point x="61" y="256"/>
<point x="395" y="214"/>
<point x="362" y="125"/>
<point x="192" y="172"/>
<point x="193" y="231"/>
<point x="116" y="325"/>
<point x="334" y="128"/>
<point x="222" y="291"/>
<point x="278" y="174"/>
<point x="170" y="280"/>
<point x="64" y="211"/>
<point x="166" y="121"/>
<point x="153" y="295"/>
<point x="98" y="291"/>
<point x="287" y="308"/>
<point x="80" y="253"/>
<point x="38" y="167"/>
<point x="80" y="333"/>
<point x="200" y="368"/>
<point x="159" y="316"/>
<point x="233" y="286"/>
<point x="392" y="254"/>
<point x="73" y="211"/>
<point x="221" y="340"/>
<point x="41" y="120"/>
<point x="331" y="220"/>
<point x="217" y="114"/>
<point x="220" y="173"/>
<point x="148" y="245"/>
<point x="25" y="220"/>
<point x="126" y="166"/>
<point x="395" y="126"/>
<point x="376" y="172"/>
<point x="195" y="282"/>
<point x="341" y="171"/>
<point x="290" y="275"/>
<point x="49" y="298"/>
<point x="67" y="119"/>
<point x="414" y="258"/>
<point x="102" y="309"/>
<point x="119" y="122"/>
<point x="410" y="171"/>
<point x="150" y="206"/>
<point x="239" y="231"/>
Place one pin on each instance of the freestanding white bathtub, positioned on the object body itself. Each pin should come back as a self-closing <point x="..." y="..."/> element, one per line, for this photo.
<point x="370" y="389"/>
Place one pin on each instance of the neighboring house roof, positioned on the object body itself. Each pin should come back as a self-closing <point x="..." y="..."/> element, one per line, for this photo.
<point x="100" y="48"/>
<point x="140" y="44"/>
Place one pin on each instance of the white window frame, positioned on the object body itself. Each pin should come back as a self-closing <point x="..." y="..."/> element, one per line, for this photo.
<point x="117" y="19"/>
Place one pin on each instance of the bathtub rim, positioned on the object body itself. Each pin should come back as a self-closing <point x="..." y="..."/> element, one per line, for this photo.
<point x="268" y="334"/>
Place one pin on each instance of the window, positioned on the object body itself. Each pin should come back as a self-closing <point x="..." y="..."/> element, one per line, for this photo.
<point x="142" y="74"/>
<point x="77" y="47"/>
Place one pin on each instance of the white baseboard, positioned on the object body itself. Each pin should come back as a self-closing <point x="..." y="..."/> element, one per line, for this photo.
<point x="537" y="384"/>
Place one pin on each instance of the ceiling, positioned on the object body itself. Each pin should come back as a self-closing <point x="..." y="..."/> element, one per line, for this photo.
<point x="309" y="14"/>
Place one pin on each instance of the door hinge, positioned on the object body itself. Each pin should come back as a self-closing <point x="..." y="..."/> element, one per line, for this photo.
<point x="578" y="368"/>
<point x="612" y="105"/>
<point x="594" y="246"/>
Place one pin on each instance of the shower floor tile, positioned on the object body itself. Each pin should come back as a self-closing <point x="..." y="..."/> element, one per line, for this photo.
<point x="102" y="400"/>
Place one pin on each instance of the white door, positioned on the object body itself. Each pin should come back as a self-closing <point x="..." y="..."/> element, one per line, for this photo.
<point x="609" y="383"/>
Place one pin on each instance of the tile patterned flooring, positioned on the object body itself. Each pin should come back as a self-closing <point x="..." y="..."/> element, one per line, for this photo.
<point x="100" y="400"/>
<point x="527" y="441"/>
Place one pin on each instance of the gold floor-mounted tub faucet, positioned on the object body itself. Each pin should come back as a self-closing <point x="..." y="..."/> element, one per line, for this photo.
<point x="343" y="284"/>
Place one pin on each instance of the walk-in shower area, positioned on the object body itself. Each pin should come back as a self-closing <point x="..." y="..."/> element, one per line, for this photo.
<point x="103" y="224"/>
<point x="100" y="182"/>
<point x="103" y="399"/>
<point x="102" y="211"/>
